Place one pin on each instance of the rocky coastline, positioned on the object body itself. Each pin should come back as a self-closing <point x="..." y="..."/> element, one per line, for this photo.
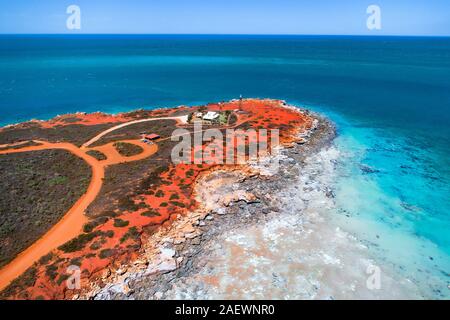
<point x="230" y="199"/>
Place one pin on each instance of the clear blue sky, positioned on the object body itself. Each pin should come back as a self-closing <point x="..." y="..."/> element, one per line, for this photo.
<point x="399" y="17"/>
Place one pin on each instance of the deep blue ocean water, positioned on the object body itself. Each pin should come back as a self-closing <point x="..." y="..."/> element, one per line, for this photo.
<point x="390" y="97"/>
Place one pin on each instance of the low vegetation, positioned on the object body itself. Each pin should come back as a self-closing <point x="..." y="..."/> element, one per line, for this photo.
<point x="106" y="253"/>
<point x="119" y="223"/>
<point x="136" y="197"/>
<point x="19" y="146"/>
<point x="88" y="227"/>
<point x="73" y="133"/>
<point x="79" y="242"/>
<point x="37" y="190"/>
<point x="132" y="234"/>
<point x="150" y="213"/>
<point x="159" y="194"/>
<point x="128" y="149"/>
<point x="82" y="240"/>
<point x="162" y="127"/>
<point x="100" y="156"/>
<point x="27" y="279"/>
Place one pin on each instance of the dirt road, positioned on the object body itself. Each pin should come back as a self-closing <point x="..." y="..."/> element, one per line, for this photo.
<point x="72" y="222"/>
<point x="181" y="119"/>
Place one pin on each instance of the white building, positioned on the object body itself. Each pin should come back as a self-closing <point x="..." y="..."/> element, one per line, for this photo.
<point x="210" y="115"/>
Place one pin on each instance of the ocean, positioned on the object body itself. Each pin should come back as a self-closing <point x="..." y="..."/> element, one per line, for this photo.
<point x="389" y="96"/>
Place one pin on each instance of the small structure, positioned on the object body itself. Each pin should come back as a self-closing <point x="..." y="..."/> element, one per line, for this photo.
<point x="211" y="115"/>
<point x="150" y="137"/>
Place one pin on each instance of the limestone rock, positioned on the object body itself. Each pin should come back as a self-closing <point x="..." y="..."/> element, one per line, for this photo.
<point x="106" y="274"/>
<point x="121" y="271"/>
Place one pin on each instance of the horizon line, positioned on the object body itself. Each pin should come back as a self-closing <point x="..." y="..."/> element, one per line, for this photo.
<point x="222" y="34"/>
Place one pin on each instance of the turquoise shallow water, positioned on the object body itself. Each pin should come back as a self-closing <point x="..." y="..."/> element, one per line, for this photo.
<point x="390" y="97"/>
<point x="392" y="193"/>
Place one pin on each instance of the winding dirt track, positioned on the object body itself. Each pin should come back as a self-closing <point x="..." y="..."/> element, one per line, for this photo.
<point x="72" y="222"/>
<point x="67" y="228"/>
<point x="182" y="119"/>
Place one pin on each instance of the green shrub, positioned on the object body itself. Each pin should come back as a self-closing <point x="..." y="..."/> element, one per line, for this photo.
<point x="62" y="278"/>
<point x="100" y="156"/>
<point x="132" y="233"/>
<point x="174" y="196"/>
<point x="106" y="253"/>
<point x="95" y="246"/>
<point x="150" y="213"/>
<point x="128" y="149"/>
<point x="58" y="180"/>
<point x="152" y="179"/>
<point x="76" y="261"/>
<point x="51" y="271"/>
<point x="28" y="278"/>
<point x="108" y="213"/>
<point x="190" y="173"/>
<point x="79" y="242"/>
<point x="88" y="227"/>
<point x="178" y="204"/>
<point x="46" y="259"/>
<point x="109" y="233"/>
<point x="119" y="223"/>
<point x="159" y="194"/>
<point x="127" y="204"/>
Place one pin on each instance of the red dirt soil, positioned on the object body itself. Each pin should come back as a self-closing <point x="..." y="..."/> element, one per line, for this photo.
<point x="172" y="197"/>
